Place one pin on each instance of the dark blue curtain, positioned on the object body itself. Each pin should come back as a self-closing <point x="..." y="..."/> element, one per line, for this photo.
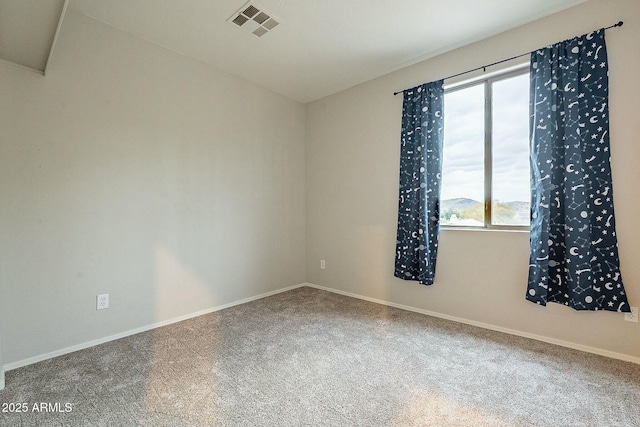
<point x="420" y="177"/>
<point x="574" y="250"/>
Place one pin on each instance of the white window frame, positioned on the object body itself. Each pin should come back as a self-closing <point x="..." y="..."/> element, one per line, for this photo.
<point x="487" y="80"/>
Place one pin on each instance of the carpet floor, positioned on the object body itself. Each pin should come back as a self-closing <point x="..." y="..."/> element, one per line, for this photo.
<point x="309" y="357"/>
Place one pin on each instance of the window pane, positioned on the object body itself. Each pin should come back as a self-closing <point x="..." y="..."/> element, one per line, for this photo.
<point x="462" y="197"/>
<point x="510" y="116"/>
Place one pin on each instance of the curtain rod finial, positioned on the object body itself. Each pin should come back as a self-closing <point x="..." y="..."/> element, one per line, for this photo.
<point x="619" y="24"/>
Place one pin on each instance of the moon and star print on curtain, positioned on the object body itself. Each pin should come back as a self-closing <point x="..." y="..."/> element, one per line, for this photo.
<point x="420" y="177"/>
<point x="574" y="249"/>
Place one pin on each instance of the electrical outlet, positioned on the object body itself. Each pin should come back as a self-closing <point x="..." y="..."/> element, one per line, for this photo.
<point x="322" y="264"/>
<point x="633" y="316"/>
<point x="102" y="301"/>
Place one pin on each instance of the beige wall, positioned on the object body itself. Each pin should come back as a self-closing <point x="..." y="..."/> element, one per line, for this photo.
<point x="352" y="182"/>
<point x="134" y="171"/>
<point x="1" y="365"/>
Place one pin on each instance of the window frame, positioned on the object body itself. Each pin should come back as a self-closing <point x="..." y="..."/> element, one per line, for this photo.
<point x="487" y="80"/>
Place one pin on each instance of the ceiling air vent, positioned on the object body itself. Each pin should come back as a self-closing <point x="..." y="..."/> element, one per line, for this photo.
<point x="254" y="20"/>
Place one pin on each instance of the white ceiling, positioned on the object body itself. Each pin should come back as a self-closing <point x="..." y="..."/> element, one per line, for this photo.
<point x="320" y="46"/>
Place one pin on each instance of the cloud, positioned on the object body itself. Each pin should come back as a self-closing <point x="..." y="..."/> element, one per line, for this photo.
<point x="463" y="151"/>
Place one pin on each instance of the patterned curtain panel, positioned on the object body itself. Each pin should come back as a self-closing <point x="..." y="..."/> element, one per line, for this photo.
<point x="420" y="177"/>
<point x="574" y="250"/>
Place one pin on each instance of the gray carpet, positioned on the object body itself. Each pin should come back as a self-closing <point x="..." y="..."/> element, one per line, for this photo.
<point x="308" y="357"/>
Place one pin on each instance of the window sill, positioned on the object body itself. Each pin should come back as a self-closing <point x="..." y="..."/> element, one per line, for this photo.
<point x="481" y="229"/>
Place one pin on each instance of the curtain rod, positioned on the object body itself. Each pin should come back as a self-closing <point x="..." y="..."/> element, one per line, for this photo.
<point x="619" y="24"/>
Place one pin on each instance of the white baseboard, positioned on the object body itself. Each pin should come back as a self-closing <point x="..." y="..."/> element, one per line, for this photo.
<point x="66" y="350"/>
<point x="561" y="343"/>
<point x="60" y="352"/>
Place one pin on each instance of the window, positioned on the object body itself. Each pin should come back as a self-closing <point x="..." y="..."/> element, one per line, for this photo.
<point x="485" y="171"/>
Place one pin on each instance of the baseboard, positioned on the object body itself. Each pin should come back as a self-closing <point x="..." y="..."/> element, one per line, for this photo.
<point x="71" y="349"/>
<point x="63" y="351"/>
<point x="489" y="326"/>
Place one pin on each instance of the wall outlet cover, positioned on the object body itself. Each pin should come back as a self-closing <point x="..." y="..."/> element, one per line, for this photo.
<point x="102" y="301"/>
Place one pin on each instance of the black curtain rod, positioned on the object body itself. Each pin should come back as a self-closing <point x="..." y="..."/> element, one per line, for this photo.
<point x="619" y="24"/>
